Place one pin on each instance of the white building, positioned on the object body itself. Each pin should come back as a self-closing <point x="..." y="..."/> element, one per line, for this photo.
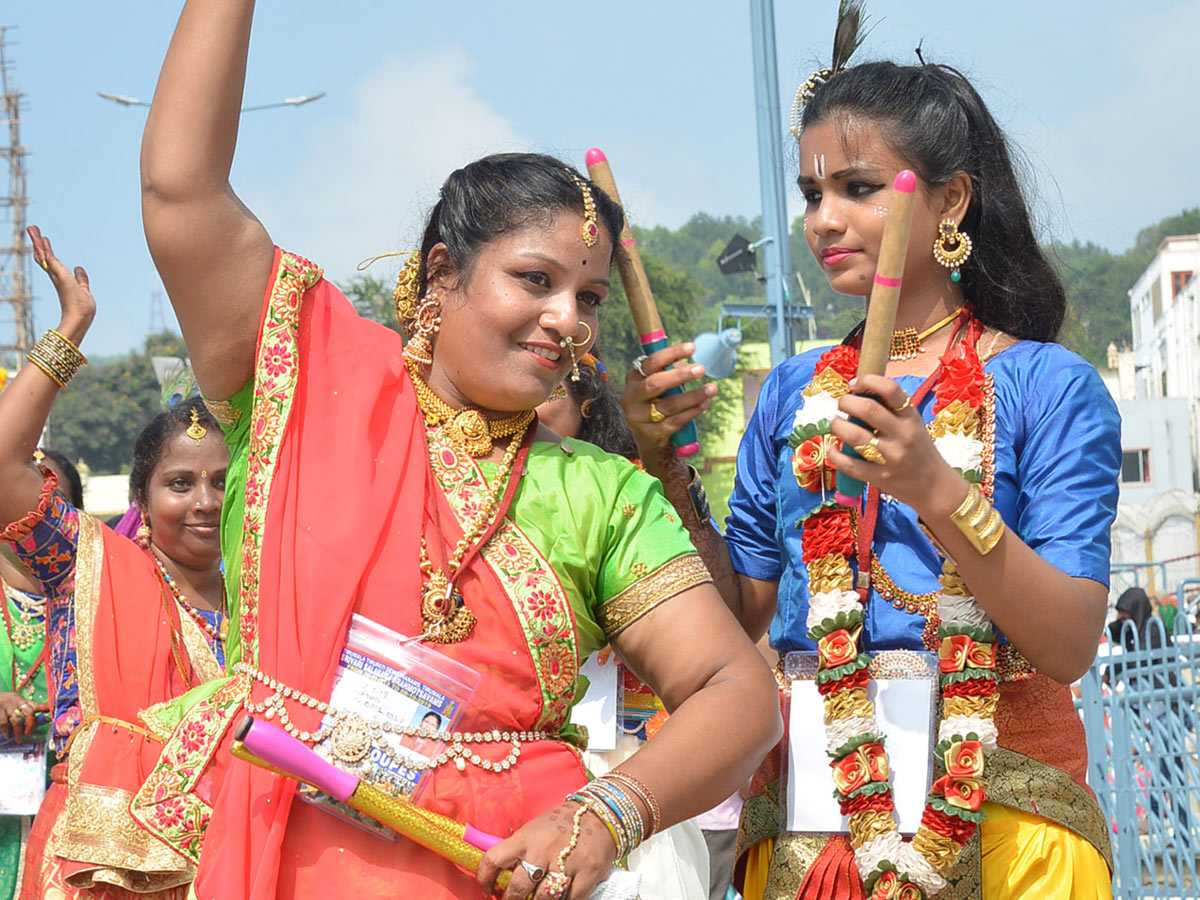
<point x="1166" y="322"/>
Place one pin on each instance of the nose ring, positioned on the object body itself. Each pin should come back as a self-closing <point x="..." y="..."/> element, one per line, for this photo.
<point x="569" y="344"/>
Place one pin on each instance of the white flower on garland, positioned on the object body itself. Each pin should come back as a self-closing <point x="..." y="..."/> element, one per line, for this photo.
<point x="964" y="725"/>
<point x="842" y="730"/>
<point x="828" y="604"/>
<point x="885" y="847"/>
<point x="818" y="408"/>
<point x="954" y="609"/>
<point x="960" y="451"/>
<point x="917" y="867"/>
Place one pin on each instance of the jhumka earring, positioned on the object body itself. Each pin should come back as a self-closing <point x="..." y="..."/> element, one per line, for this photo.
<point x="142" y="536"/>
<point x="569" y="344"/>
<point x="426" y="323"/>
<point x="951" y="248"/>
<point x="196" y="431"/>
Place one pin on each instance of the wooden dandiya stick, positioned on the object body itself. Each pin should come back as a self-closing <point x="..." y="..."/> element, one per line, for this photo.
<point x="881" y="308"/>
<point x="637" y="291"/>
<point x="270" y="747"/>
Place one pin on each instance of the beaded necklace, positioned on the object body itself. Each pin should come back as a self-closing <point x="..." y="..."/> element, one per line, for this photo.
<point x="215" y="635"/>
<point x="890" y="866"/>
<point x="31" y="618"/>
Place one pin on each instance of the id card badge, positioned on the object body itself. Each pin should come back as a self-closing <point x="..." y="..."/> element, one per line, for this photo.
<point x="23" y="774"/>
<point x="597" y="711"/>
<point x="393" y="696"/>
<point x="904" y="690"/>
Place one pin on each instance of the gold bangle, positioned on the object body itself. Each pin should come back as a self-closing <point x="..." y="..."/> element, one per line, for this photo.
<point x="47" y="369"/>
<point x="978" y="521"/>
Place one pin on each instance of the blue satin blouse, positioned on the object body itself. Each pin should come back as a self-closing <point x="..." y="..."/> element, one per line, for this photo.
<point x="1058" y="455"/>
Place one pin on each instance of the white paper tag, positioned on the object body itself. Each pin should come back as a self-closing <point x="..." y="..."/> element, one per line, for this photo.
<point x="597" y="711"/>
<point x="23" y="774"/>
<point x="906" y="715"/>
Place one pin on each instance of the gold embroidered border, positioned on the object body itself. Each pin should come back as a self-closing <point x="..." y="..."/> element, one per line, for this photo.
<point x="127" y="855"/>
<point x="643" y="595"/>
<point x="203" y="659"/>
<point x="223" y="411"/>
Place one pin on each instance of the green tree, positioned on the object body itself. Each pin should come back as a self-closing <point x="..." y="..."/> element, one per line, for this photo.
<point x="98" y="418"/>
<point x="372" y="297"/>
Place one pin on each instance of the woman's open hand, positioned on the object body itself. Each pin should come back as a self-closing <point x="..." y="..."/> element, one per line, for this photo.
<point x="74" y="292"/>
<point x="540" y="842"/>
<point x="911" y="469"/>
<point x="642" y="406"/>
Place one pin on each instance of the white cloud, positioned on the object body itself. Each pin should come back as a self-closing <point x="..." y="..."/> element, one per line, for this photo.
<point x="364" y="182"/>
<point x="1129" y="159"/>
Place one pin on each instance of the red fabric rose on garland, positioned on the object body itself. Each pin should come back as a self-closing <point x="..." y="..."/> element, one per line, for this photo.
<point x="962" y="379"/>
<point x="842" y="359"/>
<point x="826" y="532"/>
<point x="811" y="466"/>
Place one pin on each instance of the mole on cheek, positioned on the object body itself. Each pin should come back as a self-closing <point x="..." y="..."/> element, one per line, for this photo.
<point x="585" y="262"/>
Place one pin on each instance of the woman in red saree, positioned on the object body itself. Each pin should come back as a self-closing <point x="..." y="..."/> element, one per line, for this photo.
<point x="353" y="457"/>
<point x="128" y="642"/>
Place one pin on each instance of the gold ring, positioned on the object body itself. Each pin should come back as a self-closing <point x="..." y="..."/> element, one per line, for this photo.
<point x="870" y="451"/>
<point x="655" y="415"/>
<point x="903" y="406"/>
<point x="45" y="264"/>
<point x="555" y="884"/>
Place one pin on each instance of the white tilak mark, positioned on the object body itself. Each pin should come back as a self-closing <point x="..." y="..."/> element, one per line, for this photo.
<point x="819" y="166"/>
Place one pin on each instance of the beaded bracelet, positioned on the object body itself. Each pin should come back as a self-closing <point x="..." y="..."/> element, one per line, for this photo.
<point x="607" y="799"/>
<point x="20" y="529"/>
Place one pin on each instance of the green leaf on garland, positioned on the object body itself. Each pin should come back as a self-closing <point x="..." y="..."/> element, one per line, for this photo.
<point x="942" y="805"/>
<point x="845" y="619"/>
<point x="839" y="672"/>
<point x="855" y="742"/>
<point x="967" y="675"/>
<point x="945" y="745"/>
<point x="803" y="432"/>
<point x="979" y="635"/>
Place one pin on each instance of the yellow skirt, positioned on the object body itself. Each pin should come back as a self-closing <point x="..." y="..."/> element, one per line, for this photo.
<point x="1033" y="858"/>
<point x="1024" y="856"/>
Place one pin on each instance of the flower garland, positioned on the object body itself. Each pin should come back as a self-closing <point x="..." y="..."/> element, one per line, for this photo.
<point x="892" y="868"/>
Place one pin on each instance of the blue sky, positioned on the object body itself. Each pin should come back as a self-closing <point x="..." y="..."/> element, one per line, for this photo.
<point x="1100" y="99"/>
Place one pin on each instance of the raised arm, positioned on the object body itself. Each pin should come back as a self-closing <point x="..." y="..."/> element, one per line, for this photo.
<point x="25" y="404"/>
<point x="213" y="255"/>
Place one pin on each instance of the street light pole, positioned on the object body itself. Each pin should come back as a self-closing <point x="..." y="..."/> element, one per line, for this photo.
<point x="777" y="265"/>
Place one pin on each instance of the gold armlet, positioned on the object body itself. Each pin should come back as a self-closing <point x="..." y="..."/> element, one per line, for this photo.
<point x="979" y="522"/>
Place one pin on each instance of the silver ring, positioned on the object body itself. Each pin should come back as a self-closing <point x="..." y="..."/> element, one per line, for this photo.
<point x="535" y="873"/>
<point x="637" y="364"/>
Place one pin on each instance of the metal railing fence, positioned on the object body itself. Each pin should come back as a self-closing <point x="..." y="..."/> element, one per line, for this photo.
<point x="1139" y="704"/>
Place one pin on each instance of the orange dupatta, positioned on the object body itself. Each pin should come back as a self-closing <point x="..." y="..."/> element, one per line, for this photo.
<point x="336" y="502"/>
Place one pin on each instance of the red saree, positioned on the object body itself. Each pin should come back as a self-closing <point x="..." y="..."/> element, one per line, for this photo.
<point x="133" y="651"/>
<point x="336" y="498"/>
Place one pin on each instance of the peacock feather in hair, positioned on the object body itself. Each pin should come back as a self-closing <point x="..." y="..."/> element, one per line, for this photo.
<point x="850" y="33"/>
<point x="847" y="38"/>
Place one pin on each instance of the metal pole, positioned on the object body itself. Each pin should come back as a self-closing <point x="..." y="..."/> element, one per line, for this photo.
<point x="776" y="261"/>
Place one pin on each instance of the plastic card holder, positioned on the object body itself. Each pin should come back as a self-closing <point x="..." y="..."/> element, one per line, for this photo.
<point x="904" y="690"/>
<point x="597" y="711"/>
<point x="23" y="777"/>
<point x="386" y="684"/>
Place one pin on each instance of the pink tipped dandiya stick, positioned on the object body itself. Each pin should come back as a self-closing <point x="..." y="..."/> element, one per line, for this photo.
<point x="881" y="309"/>
<point x="270" y="747"/>
<point x="637" y="292"/>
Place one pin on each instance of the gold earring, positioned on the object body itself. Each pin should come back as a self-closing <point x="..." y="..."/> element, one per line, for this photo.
<point x="404" y="296"/>
<point x="585" y="408"/>
<point x="952" y="248"/>
<point x="142" y="536"/>
<point x="569" y="344"/>
<point x="425" y="324"/>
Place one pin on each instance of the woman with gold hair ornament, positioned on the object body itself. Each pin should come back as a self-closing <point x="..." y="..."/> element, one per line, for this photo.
<point x="412" y="485"/>
<point x="991" y="457"/>
<point x="129" y="626"/>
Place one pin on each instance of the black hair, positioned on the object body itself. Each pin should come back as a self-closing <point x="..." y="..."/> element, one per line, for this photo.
<point x="502" y="192"/>
<point x="604" y="423"/>
<point x="148" y="449"/>
<point x="937" y="122"/>
<point x="73" y="488"/>
<point x="435" y="715"/>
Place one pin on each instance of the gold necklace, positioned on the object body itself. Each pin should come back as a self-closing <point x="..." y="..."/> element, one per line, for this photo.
<point x="906" y="343"/>
<point x="444" y="616"/>
<point x="468" y="428"/>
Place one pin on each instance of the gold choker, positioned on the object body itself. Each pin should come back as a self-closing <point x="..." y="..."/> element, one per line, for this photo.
<point x="468" y="428"/>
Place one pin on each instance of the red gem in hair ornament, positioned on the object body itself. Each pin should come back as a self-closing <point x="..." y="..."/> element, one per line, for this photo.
<point x="891" y="867"/>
